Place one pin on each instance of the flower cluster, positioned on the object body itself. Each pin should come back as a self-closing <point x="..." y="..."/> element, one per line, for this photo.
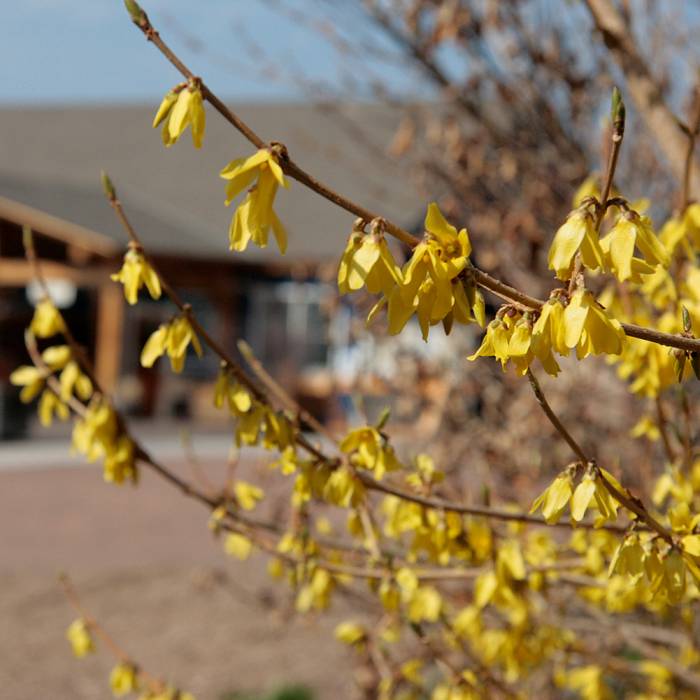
<point x="172" y="338"/>
<point x="135" y="273"/>
<point x="615" y="251"/>
<point x="593" y="491"/>
<point x="433" y="284"/>
<point x="563" y="324"/>
<point x="254" y="217"/>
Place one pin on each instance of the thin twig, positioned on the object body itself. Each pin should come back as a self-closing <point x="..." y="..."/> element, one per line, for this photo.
<point x="294" y="171"/>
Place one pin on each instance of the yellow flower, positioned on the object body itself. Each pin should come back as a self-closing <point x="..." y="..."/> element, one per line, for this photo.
<point x="123" y="679"/>
<point x="510" y="337"/>
<point x="247" y="495"/>
<point x="172" y="338"/>
<point x="548" y="332"/>
<point x="254" y="216"/>
<point x="180" y="108"/>
<point x="136" y="272"/>
<point x="120" y="461"/>
<point x="369" y="449"/>
<point x="238" y="545"/>
<point x="430" y="286"/>
<point x="588" y="681"/>
<point x="78" y="634"/>
<point x="228" y="389"/>
<point x="554" y="499"/>
<point x="31" y="379"/>
<point x="630" y="231"/>
<point x="47" y="320"/>
<point x="577" y="234"/>
<point x="50" y="405"/>
<point x="97" y="431"/>
<point x="495" y="341"/>
<point x="73" y="380"/>
<point x="350" y="632"/>
<point x="56" y="357"/>
<point x="589" y="329"/>
<point x="629" y="559"/>
<point x="367" y="260"/>
<point x="591" y="489"/>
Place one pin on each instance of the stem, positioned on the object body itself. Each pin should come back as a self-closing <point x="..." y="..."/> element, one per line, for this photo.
<point x="632" y="504"/>
<point x="693" y="128"/>
<point x="553" y="419"/>
<point x="297" y="173"/>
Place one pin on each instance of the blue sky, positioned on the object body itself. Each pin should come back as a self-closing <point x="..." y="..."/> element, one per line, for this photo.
<point x="66" y="51"/>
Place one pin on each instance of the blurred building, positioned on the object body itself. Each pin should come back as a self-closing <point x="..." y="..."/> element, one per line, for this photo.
<point x="50" y="180"/>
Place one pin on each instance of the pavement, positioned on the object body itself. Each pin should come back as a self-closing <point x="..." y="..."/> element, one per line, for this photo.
<point x="147" y="567"/>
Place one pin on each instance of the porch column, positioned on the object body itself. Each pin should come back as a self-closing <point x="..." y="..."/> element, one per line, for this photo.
<point x="108" y="338"/>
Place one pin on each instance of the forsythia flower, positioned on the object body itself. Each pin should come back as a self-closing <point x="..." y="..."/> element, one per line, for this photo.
<point x="588" y="681"/>
<point x="50" y="405"/>
<point x="577" y="234"/>
<point x="592" y="489"/>
<point x="238" y="545"/>
<point x="31" y="379"/>
<point x="548" y="331"/>
<point x="430" y="286"/>
<point x="511" y="338"/>
<point x="590" y="492"/>
<point x="136" y="272"/>
<point x="247" y="495"/>
<point x="47" y="320"/>
<point x="172" y="338"/>
<point x="180" y="108"/>
<point x="254" y="216"/>
<point x="684" y="230"/>
<point x="554" y="499"/>
<point x="96" y="434"/>
<point x="120" y="462"/>
<point x="367" y="261"/>
<point x="630" y="231"/>
<point x="123" y="679"/>
<point x="73" y="380"/>
<point x="369" y="449"/>
<point x="589" y="329"/>
<point x="78" y="634"/>
<point x="350" y="632"/>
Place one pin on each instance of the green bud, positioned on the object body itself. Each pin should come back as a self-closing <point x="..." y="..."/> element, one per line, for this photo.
<point x="687" y="324"/>
<point x="138" y="16"/>
<point x="617" y="109"/>
<point x="107" y="186"/>
<point x="383" y="418"/>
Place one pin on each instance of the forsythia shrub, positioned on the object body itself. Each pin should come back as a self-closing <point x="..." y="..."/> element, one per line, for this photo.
<point x="472" y="601"/>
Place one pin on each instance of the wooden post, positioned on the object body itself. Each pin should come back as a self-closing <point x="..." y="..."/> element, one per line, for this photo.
<point x="108" y="339"/>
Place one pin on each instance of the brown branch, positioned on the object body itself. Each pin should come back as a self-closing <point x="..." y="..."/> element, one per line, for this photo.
<point x="693" y="128"/>
<point x="646" y="93"/>
<point x="631" y="503"/>
<point x="294" y="171"/>
<point x="553" y="419"/>
<point x="663" y="432"/>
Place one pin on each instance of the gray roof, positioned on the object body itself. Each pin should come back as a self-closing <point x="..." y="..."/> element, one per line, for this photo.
<point x="52" y="157"/>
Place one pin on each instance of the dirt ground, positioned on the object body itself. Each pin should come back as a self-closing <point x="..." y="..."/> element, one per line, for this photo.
<point x="147" y="567"/>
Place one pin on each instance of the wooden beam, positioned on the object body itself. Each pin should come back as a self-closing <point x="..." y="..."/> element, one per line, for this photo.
<point x="16" y="272"/>
<point x="58" y="228"/>
<point x="108" y="338"/>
